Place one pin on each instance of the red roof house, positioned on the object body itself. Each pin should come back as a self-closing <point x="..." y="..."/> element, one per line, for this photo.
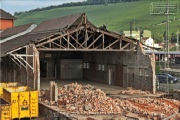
<point x="6" y="20"/>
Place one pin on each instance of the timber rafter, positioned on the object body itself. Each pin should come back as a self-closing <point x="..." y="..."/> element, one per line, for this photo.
<point x="19" y="58"/>
<point x="85" y="37"/>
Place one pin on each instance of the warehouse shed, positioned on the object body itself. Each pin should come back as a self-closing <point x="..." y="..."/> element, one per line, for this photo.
<point x="71" y="47"/>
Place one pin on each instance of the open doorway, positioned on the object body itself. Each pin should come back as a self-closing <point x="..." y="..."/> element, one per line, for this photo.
<point x="47" y="68"/>
<point x="43" y="68"/>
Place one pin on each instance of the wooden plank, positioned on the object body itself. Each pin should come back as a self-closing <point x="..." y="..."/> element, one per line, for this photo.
<point x="26" y="62"/>
<point x="36" y="66"/>
<point x="93" y="49"/>
<point x="18" y="60"/>
<point x="58" y="45"/>
<point x="16" y="50"/>
<point x="120" y="44"/>
<point x="77" y="43"/>
<point x="125" y="46"/>
<point x="103" y="41"/>
<point x="69" y="43"/>
<point x="94" y="41"/>
<point x="56" y="38"/>
<point x="23" y="55"/>
<point x="112" y="44"/>
<point x="30" y="61"/>
<point x="38" y="70"/>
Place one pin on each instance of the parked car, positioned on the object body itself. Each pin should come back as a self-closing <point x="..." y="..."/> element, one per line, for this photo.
<point x="162" y="78"/>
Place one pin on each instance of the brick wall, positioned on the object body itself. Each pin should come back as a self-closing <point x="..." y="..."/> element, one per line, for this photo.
<point x="137" y="68"/>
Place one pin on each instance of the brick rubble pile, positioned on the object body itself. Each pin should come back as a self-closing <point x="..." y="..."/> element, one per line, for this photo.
<point x="152" y="108"/>
<point x="85" y="99"/>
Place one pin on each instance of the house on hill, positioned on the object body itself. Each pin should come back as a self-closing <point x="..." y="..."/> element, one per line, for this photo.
<point x="148" y="41"/>
<point x="6" y="20"/>
<point x="137" y="34"/>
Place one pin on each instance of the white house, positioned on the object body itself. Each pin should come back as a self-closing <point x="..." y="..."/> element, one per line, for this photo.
<point x="148" y="41"/>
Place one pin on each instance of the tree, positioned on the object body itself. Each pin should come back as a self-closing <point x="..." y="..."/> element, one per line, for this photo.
<point x="158" y="38"/>
<point x="173" y="38"/>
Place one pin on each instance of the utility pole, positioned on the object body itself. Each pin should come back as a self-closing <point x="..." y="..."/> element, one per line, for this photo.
<point x="177" y="47"/>
<point x="131" y="28"/>
<point x="167" y="33"/>
<point x="134" y="23"/>
<point x="165" y="9"/>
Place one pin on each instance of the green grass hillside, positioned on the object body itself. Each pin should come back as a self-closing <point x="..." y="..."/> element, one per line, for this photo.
<point x="115" y="16"/>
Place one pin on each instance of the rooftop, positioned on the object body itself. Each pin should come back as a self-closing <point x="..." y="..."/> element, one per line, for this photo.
<point x="14" y="30"/>
<point x="5" y="15"/>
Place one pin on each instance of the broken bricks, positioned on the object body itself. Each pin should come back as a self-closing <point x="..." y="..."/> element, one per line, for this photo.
<point x="85" y="99"/>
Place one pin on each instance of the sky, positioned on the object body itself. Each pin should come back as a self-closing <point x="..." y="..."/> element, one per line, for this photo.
<point x="12" y="6"/>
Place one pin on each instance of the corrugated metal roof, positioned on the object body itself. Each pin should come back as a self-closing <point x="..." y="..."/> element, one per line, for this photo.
<point x="5" y="15"/>
<point x="14" y="30"/>
<point x="57" y="23"/>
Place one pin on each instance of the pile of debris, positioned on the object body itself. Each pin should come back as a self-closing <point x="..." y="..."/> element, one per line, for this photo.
<point x="131" y="91"/>
<point x="86" y="100"/>
<point x="156" y="108"/>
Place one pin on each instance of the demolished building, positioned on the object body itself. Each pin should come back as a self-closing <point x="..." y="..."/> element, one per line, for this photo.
<point x="71" y="47"/>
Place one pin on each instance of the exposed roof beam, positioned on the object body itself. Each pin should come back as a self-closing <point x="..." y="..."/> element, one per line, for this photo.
<point x="125" y="46"/>
<point x="112" y="44"/>
<point x="94" y="41"/>
<point x="83" y="50"/>
<point x="63" y="35"/>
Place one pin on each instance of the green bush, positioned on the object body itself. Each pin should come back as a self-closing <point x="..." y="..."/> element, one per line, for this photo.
<point x="158" y="67"/>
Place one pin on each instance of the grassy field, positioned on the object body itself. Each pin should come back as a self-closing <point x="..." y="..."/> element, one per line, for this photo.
<point x="115" y="16"/>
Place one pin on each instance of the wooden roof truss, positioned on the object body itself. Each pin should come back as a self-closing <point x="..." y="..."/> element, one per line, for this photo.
<point x="20" y="58"/>
<point x="85" y="37"/>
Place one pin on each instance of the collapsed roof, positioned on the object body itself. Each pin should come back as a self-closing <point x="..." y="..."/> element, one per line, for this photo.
<point x="55" y="27"/>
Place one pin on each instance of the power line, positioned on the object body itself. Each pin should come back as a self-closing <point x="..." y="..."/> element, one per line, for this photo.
<point x="165" y="9"/>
